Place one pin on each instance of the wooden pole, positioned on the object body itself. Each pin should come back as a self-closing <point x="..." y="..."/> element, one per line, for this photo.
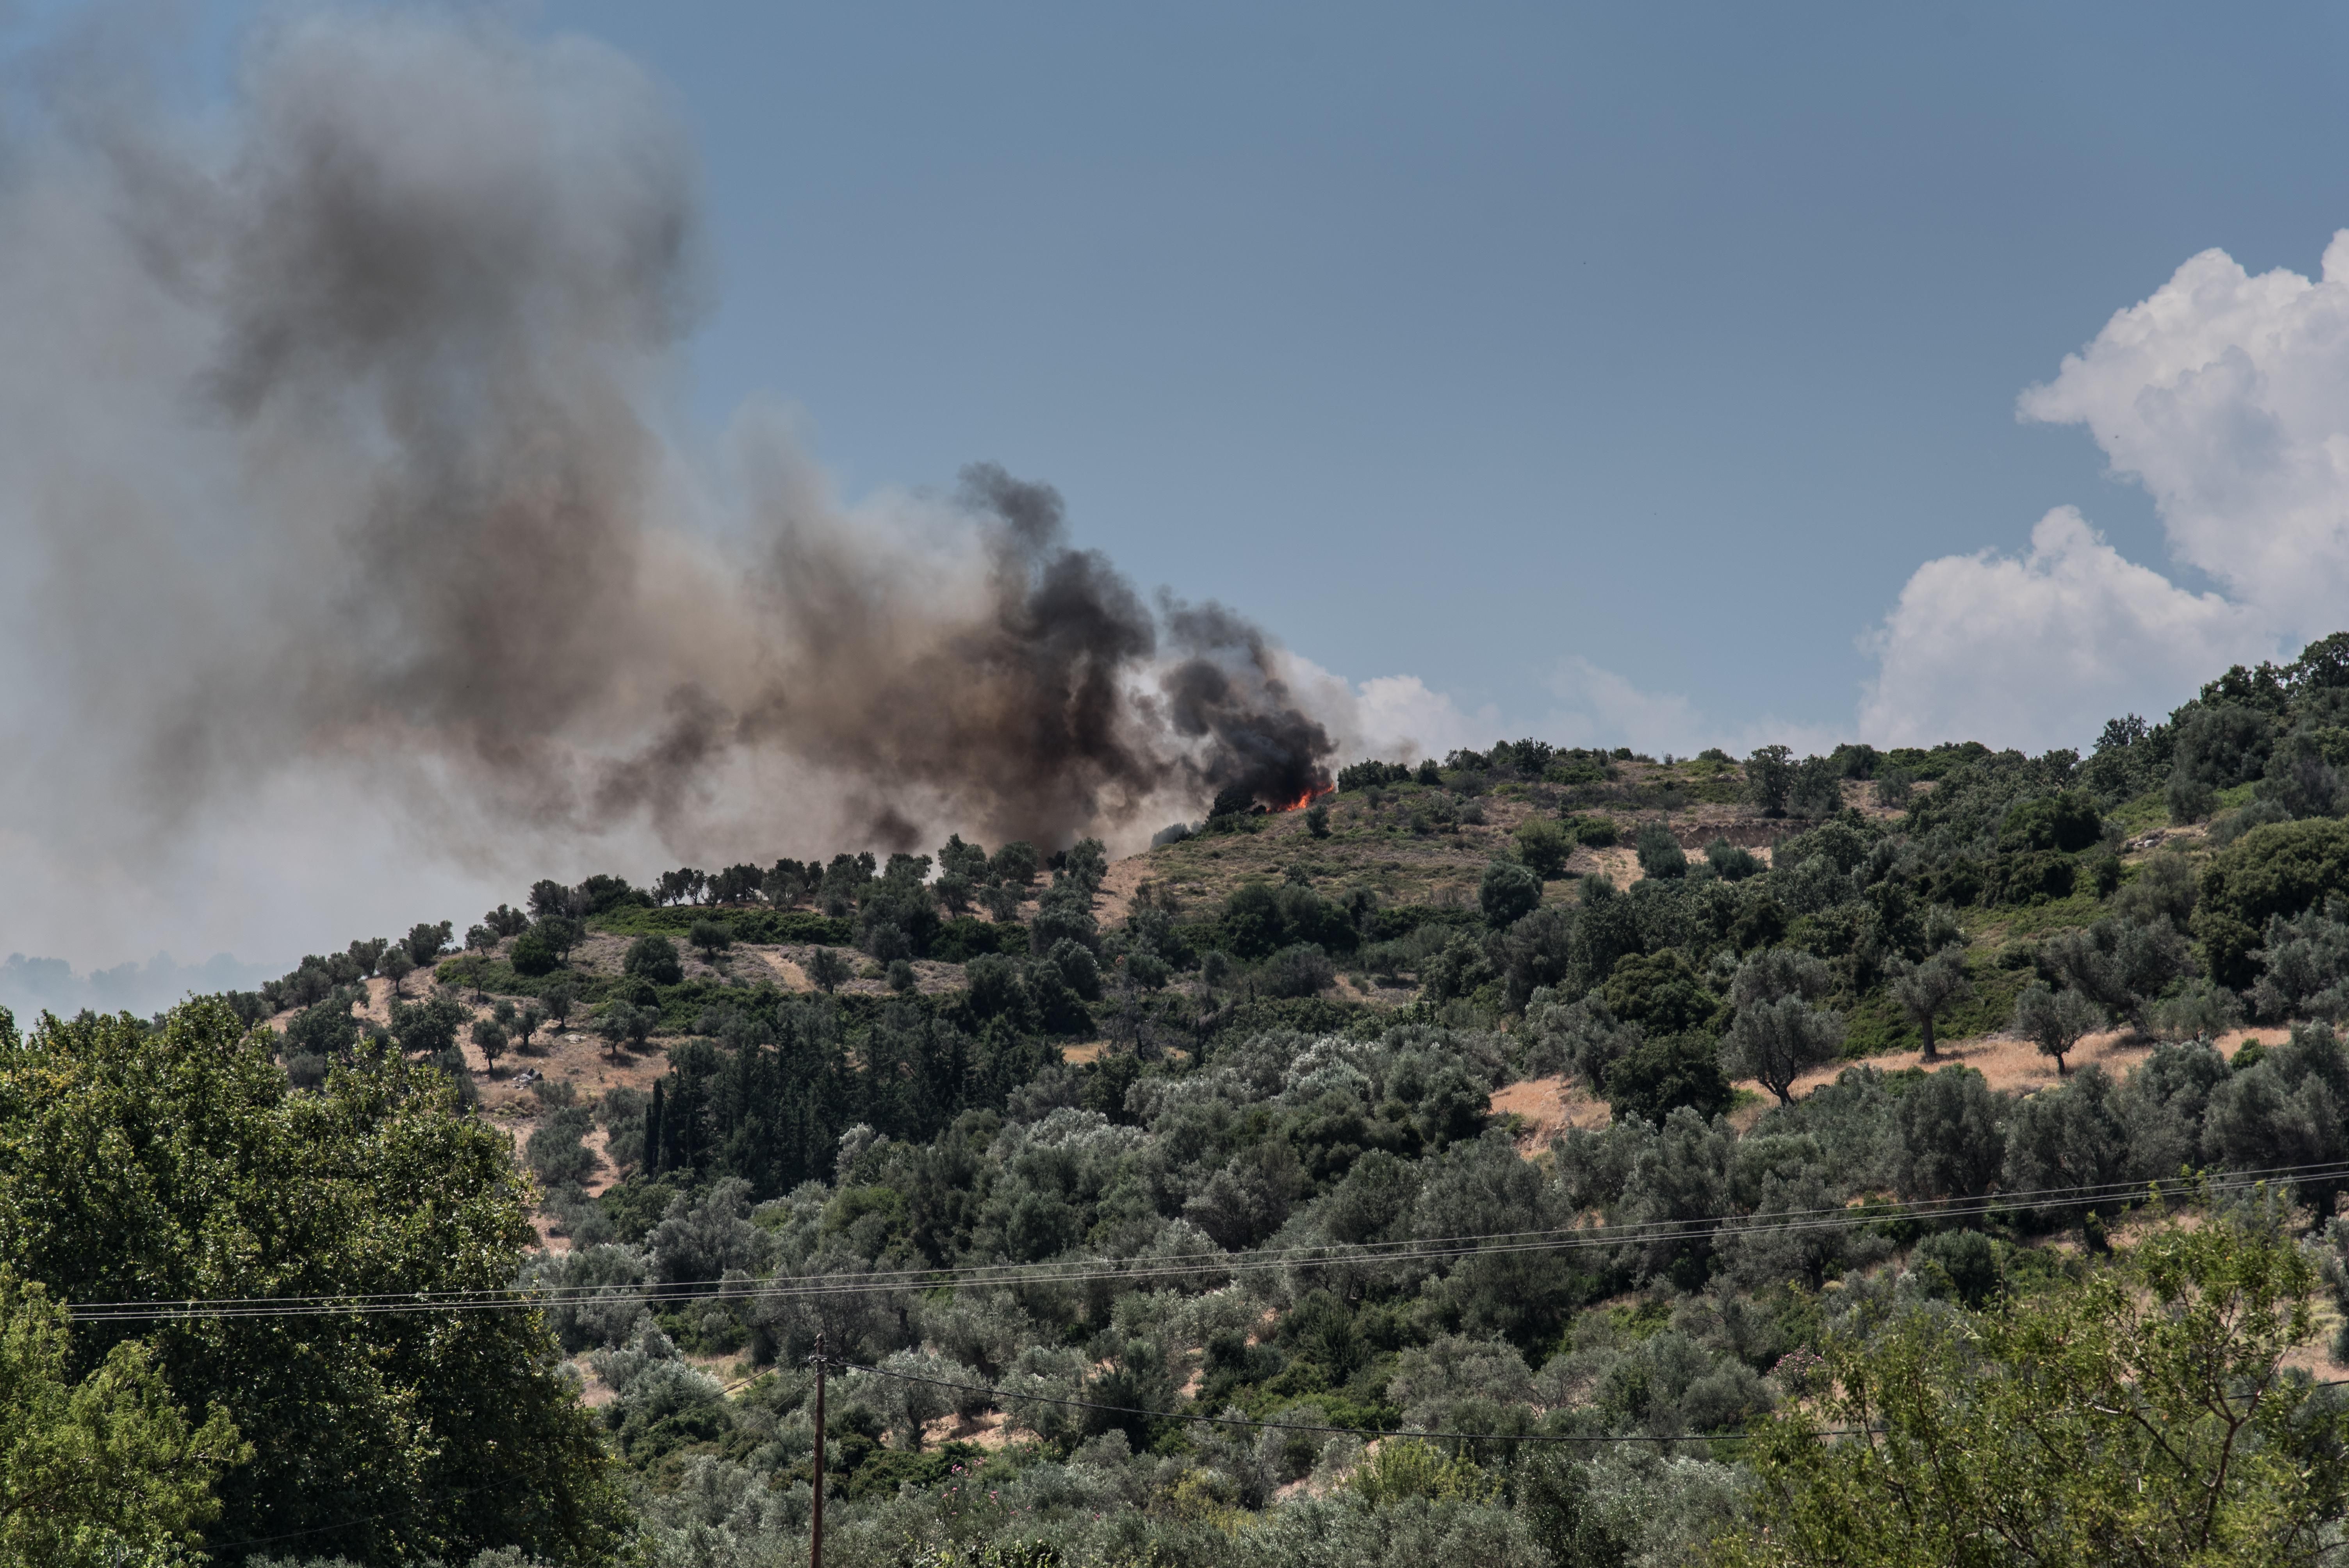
<point x="815" y="1539"/>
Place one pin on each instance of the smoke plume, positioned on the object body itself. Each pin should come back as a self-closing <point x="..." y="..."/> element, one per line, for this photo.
<point x="338" y="432"/>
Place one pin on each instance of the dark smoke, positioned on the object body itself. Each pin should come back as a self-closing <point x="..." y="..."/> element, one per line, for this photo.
<point x="371" y="470"/>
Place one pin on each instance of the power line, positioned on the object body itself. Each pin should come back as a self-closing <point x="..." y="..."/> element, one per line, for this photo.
<point x="1164" y="1266"/>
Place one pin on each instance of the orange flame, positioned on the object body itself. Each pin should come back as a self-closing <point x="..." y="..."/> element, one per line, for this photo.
<point x="1309" y="797"/>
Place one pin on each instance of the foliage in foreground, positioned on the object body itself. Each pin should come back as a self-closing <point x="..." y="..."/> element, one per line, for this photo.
<point x="179" y="1164"/>
<point x="103" y="1470"/>
<point x="2140" y="1417"/>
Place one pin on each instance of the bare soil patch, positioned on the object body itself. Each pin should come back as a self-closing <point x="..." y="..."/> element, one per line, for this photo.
<point x="1547" y="1107"/>
<point x="2011" y="1065"/>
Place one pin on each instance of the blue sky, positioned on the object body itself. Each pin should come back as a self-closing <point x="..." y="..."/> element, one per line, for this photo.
<point x="1666" y="375"/>
<point x="1462" y="340"/>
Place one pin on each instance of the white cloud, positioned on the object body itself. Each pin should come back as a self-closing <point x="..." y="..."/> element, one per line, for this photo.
<point x="1394" y="718"/>
<point x="1401" y="719"/>
<point x="1600" y="707"/>
<point x="2226" y="396"/>
<point x="2038" y="651"/>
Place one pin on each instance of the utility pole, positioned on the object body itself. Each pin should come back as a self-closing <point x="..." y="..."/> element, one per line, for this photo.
<point x="815" y="1539"/>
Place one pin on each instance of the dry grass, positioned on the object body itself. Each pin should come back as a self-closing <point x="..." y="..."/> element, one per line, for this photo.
<point x="1547" y="1107"/>
<point x="2012" y="1065"/>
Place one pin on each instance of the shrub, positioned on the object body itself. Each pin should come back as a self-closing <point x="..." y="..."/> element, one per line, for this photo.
<point x="1300" y="971"/>
<point x="1409" y="1469"/>
<point x="1731" y="863"/>
<point x="1370" y="775"/>
<point x="2189" y="798"/>
<point x="1660" y="992"/>
<point x="1508" y="893"/>
<point x="1660" y="855"/>
<point x="2030" y="876"/>
<point x="711" y="937"/>
<point x="533" y="954"/>
<point x="1596" y="832"/>
<point x="2067" y="821"/>
<point x="653" y="959"/>
<point x="556" y="1153"/>
<point x="1543" y="845"/>
<point x="1659" y="1075"/>
<point x="2282" y="869"/>
<point x="2233" y="825"/>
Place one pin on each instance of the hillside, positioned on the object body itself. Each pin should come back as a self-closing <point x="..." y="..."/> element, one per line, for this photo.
<point x="1525" y="1096"/>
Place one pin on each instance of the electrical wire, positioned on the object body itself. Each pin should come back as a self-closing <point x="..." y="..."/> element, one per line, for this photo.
<point x="1164" y="1266"/>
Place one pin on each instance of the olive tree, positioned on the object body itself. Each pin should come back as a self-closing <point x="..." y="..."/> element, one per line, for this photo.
<point x="1927" y="990"/>
<point x="2056" y="1020"/>
<point x="827" y="968"/>
<point x="1779" y="1030"/>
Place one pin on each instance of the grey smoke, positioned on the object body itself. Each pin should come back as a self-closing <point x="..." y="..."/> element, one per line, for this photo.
<point x="342" y="437"/>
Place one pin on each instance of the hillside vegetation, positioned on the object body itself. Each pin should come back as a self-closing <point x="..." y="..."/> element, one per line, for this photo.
<point x="1197" y="1207"/>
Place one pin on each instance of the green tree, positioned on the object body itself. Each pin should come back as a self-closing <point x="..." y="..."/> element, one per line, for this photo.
<point x="561" y="933"/>
<point x="655" y="958"/>
<point x="1774" y="1042"/>
<point x="489" y="1039"/>
<point x="466" y="971"/>
<point x="623" y="1023"/>
<point x="1769" y="778"/>
<point x="527" y="1022"/>
<point x="429" y="1027"/>
<point x="1661" y="855"/>
<point x="2282" y="869"/>
<point x="561" y="995"/>
<point x="1925" y="991"/>
<point x="396" y="966"/>
<point x="1657" y="1075"/>
<point x="1014" y="863"/>
<point x="711" y="938"/>
<point x="2054" y="1020"/>
<point x="1815" y="788"/>
<point x="103" y="1469"/>
<point x="1544" y="846"/>
<point x="426" y="941"/>
<point x="2141" y="1416"/>
<point x="532" y="953"/>
<point x="1508" y="893"/>
<point x="177" y="1164"/>
<point x="827" y="968"/>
